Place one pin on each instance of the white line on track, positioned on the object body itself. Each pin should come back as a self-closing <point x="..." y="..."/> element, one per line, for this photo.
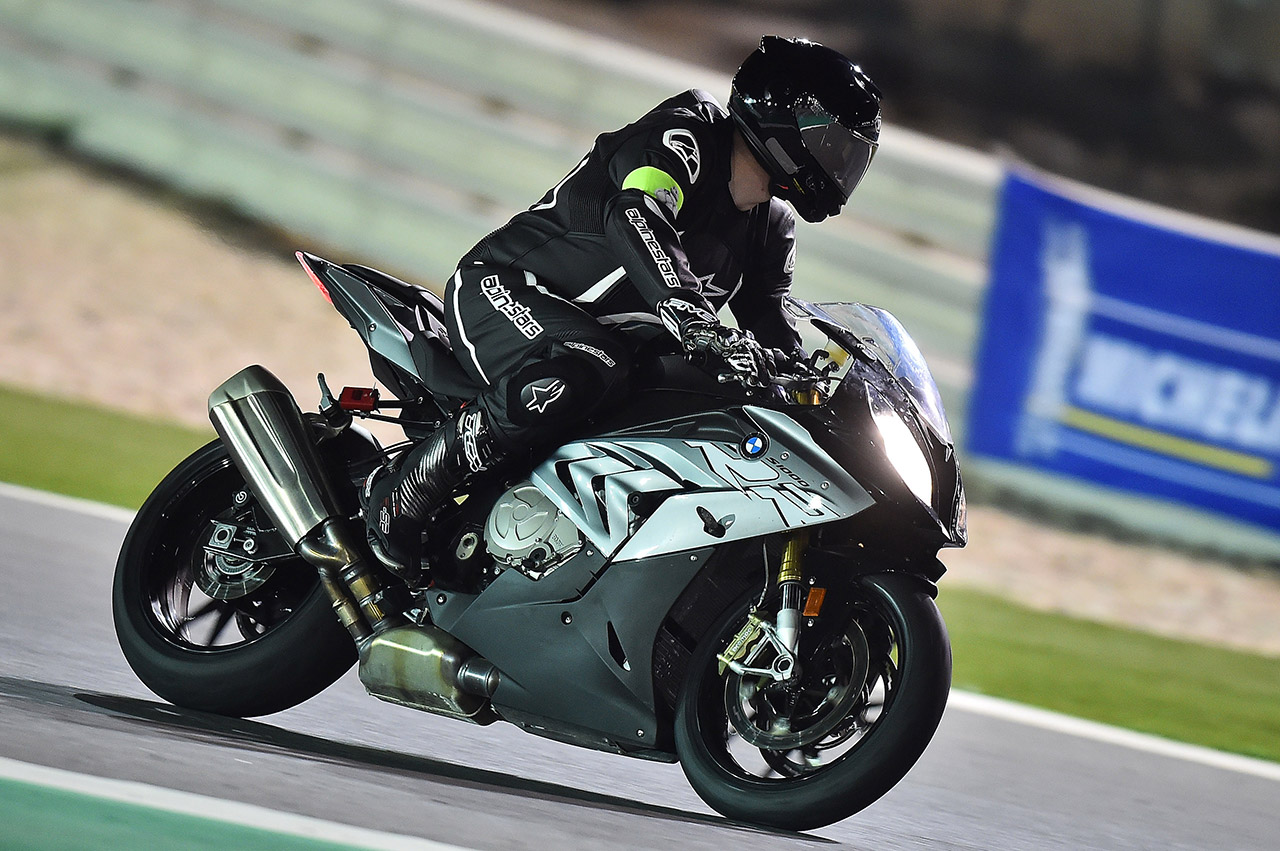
<point x="965" y="701"/>
<point x="217" y="809"/>
<point x="66" y="503"/>
<point x="1034" y="717"/>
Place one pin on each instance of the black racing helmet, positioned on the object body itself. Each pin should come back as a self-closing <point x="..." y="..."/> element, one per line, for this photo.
<point x="812" y="119"/>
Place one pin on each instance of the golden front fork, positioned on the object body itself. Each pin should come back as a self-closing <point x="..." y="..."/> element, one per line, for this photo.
<point x="790" y="573"/>
<point x="793" y="557"/>
<point x="784" y="635"/>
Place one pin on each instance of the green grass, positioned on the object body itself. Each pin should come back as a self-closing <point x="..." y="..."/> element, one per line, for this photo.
<point x="1205" y="695"/>
<point x="86" y="451"/>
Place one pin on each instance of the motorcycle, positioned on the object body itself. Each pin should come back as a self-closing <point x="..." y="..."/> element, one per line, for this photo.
<point x="738" y="579"/>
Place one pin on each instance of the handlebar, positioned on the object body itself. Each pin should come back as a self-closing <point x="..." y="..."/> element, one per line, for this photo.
<point x="795" y="377"/>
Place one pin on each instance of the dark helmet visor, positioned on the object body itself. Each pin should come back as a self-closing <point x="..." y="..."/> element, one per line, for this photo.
<point x="843" y="154"/>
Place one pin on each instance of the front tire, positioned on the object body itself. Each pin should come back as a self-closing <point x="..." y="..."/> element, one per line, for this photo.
<point x="266" y="640"/>
<point x="870" y="697"/>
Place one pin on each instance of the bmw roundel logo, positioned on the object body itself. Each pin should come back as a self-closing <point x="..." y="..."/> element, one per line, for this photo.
<point x="755" y="446"/>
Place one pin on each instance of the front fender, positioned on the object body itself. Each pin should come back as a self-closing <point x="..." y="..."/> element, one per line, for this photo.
<point x="890" y="584"/>
<point x="836" y="565"/>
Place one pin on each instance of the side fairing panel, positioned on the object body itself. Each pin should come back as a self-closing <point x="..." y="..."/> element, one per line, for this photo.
<point x="711" y="490"/>
<point x="576" y="647"/>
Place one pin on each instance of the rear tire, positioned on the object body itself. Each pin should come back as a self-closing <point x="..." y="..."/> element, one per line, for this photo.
<point x="285" y="643"/>
<point x="903" y="683"/>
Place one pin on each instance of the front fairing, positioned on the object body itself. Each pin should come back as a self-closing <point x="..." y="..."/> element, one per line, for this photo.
<point x="875" y="335"/>
<point x="885" y="422"/>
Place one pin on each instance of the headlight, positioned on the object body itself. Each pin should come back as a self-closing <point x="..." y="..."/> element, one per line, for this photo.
<point x="901" y="447"/>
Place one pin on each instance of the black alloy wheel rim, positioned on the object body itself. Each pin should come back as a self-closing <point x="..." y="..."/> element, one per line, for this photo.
<point x="178" y="571"/>
<point x="858" y="701"/>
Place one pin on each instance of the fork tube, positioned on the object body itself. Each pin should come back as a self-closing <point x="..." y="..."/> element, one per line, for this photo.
<point x="789" y="575"/>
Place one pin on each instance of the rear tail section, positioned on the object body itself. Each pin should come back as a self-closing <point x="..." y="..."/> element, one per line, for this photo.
<point x="402" y="325"/>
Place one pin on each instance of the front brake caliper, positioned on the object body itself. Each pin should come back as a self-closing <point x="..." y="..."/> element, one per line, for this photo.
<point x="748" y="645"/>
<point x="738" y="647"/>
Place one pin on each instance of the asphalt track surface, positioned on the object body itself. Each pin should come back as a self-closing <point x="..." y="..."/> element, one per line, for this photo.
<point x="69" y="701"/>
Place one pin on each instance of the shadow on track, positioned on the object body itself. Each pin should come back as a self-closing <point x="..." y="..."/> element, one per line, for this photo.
<point x="265" y="738"/>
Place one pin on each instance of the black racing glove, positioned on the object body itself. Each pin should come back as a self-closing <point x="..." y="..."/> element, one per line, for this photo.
<point x="701" y="333"/>
<point x="747" y="360"/>
<point x="782" y="362"/>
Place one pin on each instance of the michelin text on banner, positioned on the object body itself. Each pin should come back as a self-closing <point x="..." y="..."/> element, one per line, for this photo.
<point x="1132" y="348"/>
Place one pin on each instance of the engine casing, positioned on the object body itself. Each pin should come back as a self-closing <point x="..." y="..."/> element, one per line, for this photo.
<point x="526" y="530"/>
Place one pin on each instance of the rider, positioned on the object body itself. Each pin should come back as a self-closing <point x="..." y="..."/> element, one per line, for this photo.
<point x="664" y="221"/>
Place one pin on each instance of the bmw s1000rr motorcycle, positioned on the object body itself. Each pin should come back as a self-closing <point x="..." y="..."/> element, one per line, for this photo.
<point x="740" y="581"/>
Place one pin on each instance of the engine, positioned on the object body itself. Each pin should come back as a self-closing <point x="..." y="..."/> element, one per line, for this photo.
<point x="527" y="531"/>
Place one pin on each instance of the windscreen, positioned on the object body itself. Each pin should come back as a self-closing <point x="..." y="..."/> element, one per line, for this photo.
<point x="877" y="333"/>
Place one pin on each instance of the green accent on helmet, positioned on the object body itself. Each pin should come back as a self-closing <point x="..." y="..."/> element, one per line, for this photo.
<point x="812" y="120"/>
<point x="656" y="183"/>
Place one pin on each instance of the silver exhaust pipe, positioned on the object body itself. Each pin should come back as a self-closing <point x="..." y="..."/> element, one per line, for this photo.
<point x="419" y="666"/>
<point x="426" y="668"/>
<point x="261" y="426"/>
<point x="262" y="429"/>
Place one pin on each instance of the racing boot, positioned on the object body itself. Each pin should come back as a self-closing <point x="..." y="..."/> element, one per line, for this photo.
<point x="400" y="495"/>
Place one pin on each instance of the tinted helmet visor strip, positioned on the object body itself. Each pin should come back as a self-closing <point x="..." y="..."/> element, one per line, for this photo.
<point x="819" y="179"/>
<point x="842" y="153"/>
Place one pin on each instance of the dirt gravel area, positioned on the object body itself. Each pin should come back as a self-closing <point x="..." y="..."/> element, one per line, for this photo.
<point x="113" y="291"/>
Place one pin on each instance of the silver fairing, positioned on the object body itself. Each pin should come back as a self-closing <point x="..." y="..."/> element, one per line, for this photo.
<point x="716" y="492"/>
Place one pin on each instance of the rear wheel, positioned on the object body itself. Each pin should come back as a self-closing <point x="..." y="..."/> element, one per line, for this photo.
<point x="206" y="629"/>
<point x="810" y="751"/>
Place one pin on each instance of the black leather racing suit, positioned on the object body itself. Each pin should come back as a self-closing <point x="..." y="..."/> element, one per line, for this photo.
<point x="642" y="231"/>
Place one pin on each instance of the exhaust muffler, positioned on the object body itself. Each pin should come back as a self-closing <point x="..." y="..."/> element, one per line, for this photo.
<point x="419" y="666"/>
<point x="426" y="668"/>
<point x="261" y="426"/>
<point x="262" y="429"/>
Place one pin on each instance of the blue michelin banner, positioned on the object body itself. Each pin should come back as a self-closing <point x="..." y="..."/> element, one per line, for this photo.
<point x="1133" y="348"/>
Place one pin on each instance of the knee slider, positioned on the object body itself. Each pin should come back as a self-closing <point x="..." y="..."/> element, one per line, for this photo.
<point x="553" y="389"/>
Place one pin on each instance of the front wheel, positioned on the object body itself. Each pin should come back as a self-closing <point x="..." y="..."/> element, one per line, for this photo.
<point x="810" y="751"/>
<point x="207" y="630"/>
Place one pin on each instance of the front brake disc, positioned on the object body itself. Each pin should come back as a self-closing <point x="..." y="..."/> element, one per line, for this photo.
<point x="748" y="708"/>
